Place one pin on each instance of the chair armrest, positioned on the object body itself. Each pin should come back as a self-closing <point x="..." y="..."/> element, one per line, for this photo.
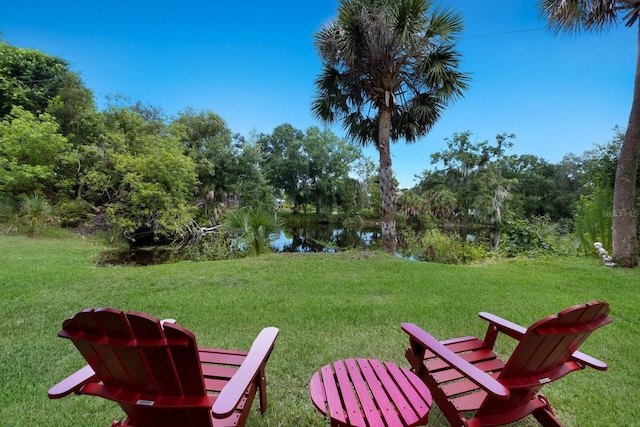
<point x="255" y="361"/>
<point x="501" y="325"/>
<point x="477" y="376"/>
<point x="72" y="383"/>
<point x="586" y="360"/>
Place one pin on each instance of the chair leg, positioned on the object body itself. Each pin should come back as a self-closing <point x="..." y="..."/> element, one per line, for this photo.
<point x="545" y="415"/>
<point x="262" y="389"/>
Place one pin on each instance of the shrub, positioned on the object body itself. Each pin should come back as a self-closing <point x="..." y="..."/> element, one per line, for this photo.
<point x="436" y="246"/>
<point x="255" y="228"/>
<point x="34" y="211"/>
<point x="523" y="237"/>
<point x="73" y="213"/>
<point x="593" y="220"/>
<point x="212" y="247"/>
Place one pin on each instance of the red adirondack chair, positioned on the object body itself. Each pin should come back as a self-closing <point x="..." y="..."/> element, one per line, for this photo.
<point x="464" y="374"/>
<point x="157" y="374"/>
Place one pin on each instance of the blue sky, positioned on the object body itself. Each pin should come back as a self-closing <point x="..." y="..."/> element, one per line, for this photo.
<point x="254" y="64"/>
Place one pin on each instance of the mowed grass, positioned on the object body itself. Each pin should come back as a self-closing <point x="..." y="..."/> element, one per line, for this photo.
<point x="327" y="307"/>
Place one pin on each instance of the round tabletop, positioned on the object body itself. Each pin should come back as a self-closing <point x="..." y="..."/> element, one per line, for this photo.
<point x="368" y="392"/>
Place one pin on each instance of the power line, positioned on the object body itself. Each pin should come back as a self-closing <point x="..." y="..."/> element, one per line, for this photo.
<point x="504" y="33"/>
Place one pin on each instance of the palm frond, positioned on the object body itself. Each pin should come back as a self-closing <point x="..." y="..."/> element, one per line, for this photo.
<point x="573" y="16"/>
<point x="563" y="16"/>
<point x="632" y="16"/>
<point x="445" y="23"/>
<point x="409" y="20"/>
<point x="601" y="14"/>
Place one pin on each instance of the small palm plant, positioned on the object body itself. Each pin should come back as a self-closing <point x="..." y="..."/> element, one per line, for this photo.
<point x="34" y="211"/>
<point x="256" y="227"/>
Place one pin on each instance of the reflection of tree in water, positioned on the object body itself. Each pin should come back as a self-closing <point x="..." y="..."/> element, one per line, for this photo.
<point x="307" y="239"/>
<point x="326" y="238"/>
<point x="357" y="239"/>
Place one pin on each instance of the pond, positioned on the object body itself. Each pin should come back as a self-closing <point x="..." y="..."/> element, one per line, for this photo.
<point x="321" y="238"/>
<point x="309" y="239"/>
<point x="325" y="239"/>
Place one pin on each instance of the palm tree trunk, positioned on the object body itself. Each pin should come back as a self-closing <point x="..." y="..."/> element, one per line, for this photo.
<point x="625" y="237"/>
<point x="387" y="188"/>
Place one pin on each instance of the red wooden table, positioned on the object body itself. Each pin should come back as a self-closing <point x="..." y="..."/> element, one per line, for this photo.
<point x="370" y="393"/>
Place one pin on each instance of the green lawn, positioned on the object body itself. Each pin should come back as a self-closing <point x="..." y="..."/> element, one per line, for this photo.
<point x="326" y="306"/>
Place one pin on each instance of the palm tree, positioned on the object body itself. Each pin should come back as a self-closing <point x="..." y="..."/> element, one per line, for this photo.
<point x="389" y="70"/>
<point x="443" y="201"/>
<point x="571" y="16"/>
<point x="34" y="211"/>
<point x="256" y="228"/>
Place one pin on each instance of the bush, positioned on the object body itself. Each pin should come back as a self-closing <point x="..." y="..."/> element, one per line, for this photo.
<point x="212" y="247"/>
<point x="255" y="228"/>
<point x="593" y="220"/>
<point x="73" y="213"/>
<point x="437" y="246"/>
<point x="524" y="238"/>
<point x="35" y="212"/>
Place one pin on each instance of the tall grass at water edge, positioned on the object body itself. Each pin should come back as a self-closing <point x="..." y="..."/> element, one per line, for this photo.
<point x="327" y="307"/>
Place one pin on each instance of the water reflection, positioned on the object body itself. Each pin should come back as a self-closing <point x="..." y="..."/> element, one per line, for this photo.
<point x="325" y="239"/>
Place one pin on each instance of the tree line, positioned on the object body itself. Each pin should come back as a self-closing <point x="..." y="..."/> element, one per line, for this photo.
<point x="390" y="68"/>
<point x="145" y="174"/>
<point x="149" y="177"/>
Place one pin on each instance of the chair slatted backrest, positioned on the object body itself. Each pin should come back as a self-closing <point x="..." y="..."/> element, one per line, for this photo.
<point x="544" y="353"/>
<point x="133" y="353"/>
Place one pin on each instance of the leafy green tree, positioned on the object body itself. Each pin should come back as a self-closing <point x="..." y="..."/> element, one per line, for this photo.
<point x="80" y="122"/>
<point x="329" y="162"/>
<point x="284" y="163"/>
<point x="470" y="170"/>
<point x="75" y="110"/>
<point x="593" y="220"/>
<point x="311" y="167"/>
<point x="598" y="15"/>
<point x="442" y="201"/>
<point x="28" y="78"/>
<point x="594" y="211"/>
<point x="347" y="193"/>
<point x="208" y="141"/>
<point x="152" y="180"/>
<point x="389" y="70"/>
<point x="541" y="188"/>
<point x="599" y="164"/>
<point x="412" y="203"/>
<point x="364" y="168"/>
<point x="570" y="186"/>
<point x="226" y="164"/>
<point x="32" y="154"/>
<point x="251" y="184"/>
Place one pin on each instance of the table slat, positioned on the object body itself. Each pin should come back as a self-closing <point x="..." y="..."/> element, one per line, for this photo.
<point x="410" y="403"/>
<point x="369" y="407"/>
<point x="333" y="398"/>
<point x="387" y="409"/>
<point x="352" y="406"/>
